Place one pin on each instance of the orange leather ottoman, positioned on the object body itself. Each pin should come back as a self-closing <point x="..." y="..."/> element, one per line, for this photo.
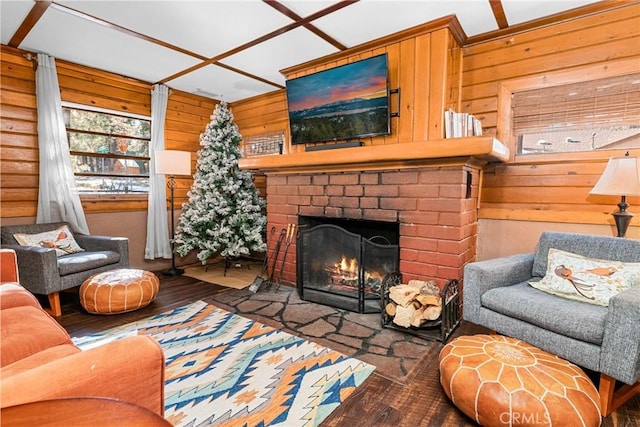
<point x="501" y="381"/>
<point x="118" y="291"/>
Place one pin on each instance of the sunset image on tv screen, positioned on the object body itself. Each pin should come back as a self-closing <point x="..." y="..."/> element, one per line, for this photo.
<point x="342" y="103"/>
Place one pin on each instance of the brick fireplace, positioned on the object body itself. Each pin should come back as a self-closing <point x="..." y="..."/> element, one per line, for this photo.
<point x="434" y="205"/>
<point x="429" y="188"/>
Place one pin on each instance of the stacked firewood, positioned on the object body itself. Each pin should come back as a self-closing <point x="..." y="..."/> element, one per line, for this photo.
<point x="414" y="303"/>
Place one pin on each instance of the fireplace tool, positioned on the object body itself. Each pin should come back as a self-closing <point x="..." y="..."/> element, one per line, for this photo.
<point x="291" y="231"/>
<point x="257" y="282"/>
<point x="274" y="255"/>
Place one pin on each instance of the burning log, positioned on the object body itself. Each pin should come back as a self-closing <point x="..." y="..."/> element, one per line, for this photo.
<point x="415" y="303"/>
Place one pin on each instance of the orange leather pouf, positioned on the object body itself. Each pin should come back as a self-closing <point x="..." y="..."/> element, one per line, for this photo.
<point x="118" y="291"/>
<point x="501" y="381"/>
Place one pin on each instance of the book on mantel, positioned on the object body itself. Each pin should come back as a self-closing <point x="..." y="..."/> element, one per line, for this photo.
<point x="458" y="125"/>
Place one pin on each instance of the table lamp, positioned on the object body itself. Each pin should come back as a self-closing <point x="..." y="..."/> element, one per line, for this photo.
<point x="621" y="177"/>
<point x="172" y="163"/>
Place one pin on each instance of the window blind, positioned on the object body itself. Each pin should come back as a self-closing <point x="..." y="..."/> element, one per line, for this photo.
<point x="599" y="103"/>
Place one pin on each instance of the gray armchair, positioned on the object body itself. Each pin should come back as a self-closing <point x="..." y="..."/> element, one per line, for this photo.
<point x="602" y="339"/>
<point x="43" y="272"/>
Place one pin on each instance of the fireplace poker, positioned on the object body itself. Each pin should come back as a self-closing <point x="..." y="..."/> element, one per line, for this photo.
<point x="291" y="231"/>
<point x="257" y="282"/>
<point x="274" y="255"/>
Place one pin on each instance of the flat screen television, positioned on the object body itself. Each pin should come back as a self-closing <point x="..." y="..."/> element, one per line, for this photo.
<point x="342" y="103"/>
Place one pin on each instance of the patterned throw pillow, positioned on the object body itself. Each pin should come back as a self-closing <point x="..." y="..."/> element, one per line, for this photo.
<point x="584" y="279"/>
<point x="60" y="239"/>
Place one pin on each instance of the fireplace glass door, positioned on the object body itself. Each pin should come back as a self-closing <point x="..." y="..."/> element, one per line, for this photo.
<point x="343" y="269"/>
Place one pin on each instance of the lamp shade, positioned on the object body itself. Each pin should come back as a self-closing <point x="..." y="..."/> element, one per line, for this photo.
<point x="172" y="162"/>
<point x="621" y="177"/>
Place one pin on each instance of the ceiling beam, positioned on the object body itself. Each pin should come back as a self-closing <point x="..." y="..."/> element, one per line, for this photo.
<point x="315" y="30"/>
<point x="246" y="74"/>
<point x="498" y="13"/>
<point x="36" y="12"/>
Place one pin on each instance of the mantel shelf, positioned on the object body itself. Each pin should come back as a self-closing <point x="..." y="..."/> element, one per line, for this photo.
<point x="483" y="148"/>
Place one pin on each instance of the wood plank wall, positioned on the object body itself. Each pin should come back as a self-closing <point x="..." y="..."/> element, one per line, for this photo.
<point x="18" y="138"/>
<point x="187" y="116"/>
<point x="554" y="188"/>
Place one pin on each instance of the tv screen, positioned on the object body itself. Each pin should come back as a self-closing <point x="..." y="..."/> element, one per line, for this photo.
<point x="347" y="102"/>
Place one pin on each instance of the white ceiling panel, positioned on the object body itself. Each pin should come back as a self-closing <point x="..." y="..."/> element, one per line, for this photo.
<point x="223" y="84"/>
<point x="518" y="11"/>
<point x="77" y="40"/>
<point x="291" y="48"/>
<point x="206" y="28"/>
<point x="371" y="19"/>
<point x="13" y="13"/>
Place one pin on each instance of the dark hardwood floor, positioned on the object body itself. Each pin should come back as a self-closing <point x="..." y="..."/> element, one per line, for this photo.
<point x="378" y="402"/>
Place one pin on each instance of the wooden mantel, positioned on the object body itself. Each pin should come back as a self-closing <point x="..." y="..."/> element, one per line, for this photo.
<point x="483" y="148"/>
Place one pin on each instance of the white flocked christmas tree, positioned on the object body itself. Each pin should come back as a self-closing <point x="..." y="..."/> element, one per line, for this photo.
<point x="224" y="213"/>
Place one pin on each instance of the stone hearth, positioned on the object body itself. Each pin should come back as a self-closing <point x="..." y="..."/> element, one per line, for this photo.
<point x="395" y="354"/>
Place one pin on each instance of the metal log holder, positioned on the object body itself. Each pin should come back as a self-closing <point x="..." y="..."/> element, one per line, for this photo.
<point x="436" y="330"/>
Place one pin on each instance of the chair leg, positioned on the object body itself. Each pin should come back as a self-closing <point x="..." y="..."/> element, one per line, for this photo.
<point x="54" y="303"/>
<point x="610" y="398"/>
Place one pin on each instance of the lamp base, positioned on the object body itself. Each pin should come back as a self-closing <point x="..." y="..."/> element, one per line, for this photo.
<point x="622" y="219"/>
<point x="173" y="271"/>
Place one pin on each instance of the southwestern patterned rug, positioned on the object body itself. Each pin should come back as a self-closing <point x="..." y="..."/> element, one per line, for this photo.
<point x="224" y="369"/>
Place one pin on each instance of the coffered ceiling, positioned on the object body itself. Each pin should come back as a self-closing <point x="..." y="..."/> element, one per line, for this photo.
<point x="235" y="49"/>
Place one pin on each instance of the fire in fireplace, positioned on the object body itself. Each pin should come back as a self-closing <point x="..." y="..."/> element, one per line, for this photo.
<point x="344" y="269"/>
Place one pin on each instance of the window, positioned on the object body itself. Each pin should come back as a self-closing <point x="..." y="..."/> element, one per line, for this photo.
<point x="602" y="114"/>
<point x="109" y="151"/>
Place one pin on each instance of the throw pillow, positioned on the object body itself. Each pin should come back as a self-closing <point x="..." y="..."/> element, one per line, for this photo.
<point x="585" y="279"/>
<point x="60" y="239"/>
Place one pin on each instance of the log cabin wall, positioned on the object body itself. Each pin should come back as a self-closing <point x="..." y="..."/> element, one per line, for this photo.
<point x="123" y="215"/>
<point x="19" y="141"/>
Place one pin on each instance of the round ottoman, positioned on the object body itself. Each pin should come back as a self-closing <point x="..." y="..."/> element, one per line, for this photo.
<point x="501" y="381"/>
<point x="118" y="291"/>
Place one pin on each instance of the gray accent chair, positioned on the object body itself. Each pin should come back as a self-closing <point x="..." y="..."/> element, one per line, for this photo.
<point x="42" y="272"/>
<point x="602" y="339"/>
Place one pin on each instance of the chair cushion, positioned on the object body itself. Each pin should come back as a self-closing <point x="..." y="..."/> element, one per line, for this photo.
<point x="61" y="239"/>
<point x="584" y="322"/>
<point x="589" y="280"/>
<point x="28" y="330"/>
<point x="83" y="261"/>
<point x="38" y="359"/>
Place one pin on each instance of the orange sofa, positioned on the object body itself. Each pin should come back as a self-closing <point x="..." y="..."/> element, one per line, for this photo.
<point x="39" y="361"/>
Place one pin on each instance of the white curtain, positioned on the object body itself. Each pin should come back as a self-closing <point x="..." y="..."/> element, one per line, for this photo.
<point x="158" y="244"/>
<point x="58" y="199"/>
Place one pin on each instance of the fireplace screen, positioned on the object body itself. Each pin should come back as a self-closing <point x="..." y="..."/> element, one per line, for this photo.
<point x="343" y="269"/>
